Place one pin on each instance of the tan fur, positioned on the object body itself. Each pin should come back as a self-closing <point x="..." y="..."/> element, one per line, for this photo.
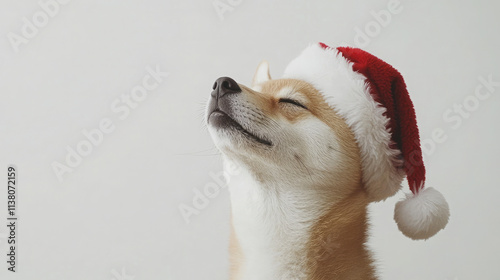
<point x="337" y="246"/>
<point x="268" y="100"/>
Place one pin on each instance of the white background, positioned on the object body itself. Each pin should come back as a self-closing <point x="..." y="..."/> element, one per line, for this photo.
<point x="116" y="215"/>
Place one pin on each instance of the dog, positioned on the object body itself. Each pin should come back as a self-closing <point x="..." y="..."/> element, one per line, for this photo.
<point x="299" y="199"/>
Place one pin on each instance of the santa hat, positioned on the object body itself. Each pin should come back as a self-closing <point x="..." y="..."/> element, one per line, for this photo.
<point x="372" y="98"/>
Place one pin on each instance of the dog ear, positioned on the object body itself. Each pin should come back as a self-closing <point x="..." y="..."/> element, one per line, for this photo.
<point x="262" y="73"/>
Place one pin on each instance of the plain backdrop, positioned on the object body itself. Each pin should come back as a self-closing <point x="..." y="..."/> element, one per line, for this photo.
<point x="116" y="214"/>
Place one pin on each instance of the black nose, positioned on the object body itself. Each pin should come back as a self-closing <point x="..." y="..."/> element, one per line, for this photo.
<point x="224" y="85"/>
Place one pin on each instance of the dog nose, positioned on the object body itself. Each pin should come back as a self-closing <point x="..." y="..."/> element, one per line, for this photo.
<point x="224" y="85"/>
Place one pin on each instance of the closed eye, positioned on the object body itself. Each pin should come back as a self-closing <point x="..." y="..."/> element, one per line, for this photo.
<point x="291" y="101"/>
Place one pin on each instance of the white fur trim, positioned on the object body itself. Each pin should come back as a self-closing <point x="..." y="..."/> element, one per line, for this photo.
<point x="422" y="215"/>
<point x="348" y="94"/>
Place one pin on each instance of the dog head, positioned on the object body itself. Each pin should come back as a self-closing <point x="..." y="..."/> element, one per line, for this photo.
<point x="283" y="130"/>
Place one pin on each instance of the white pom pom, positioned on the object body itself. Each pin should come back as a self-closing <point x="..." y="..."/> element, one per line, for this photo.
<point x="422" y="215"/>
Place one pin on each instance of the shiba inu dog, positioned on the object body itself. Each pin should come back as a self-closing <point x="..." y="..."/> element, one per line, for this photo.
<point x="309" y="169"/>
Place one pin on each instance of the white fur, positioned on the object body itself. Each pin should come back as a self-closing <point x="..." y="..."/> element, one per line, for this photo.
<point x="348" y="94"/>
<point x="270" y="229"/>
<point x="275" y="201"/>
<point x="422" y="215"/>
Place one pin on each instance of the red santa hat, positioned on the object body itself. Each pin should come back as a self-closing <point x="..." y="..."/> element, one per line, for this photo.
<point x="372" y="98"/>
